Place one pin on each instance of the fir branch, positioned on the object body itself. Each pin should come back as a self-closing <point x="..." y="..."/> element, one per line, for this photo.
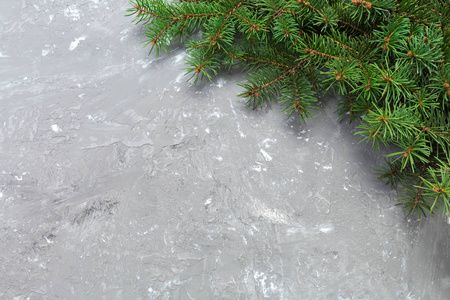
<point x="264" y="61"/>
<point x="343" y="45"/>
<point x="226" y="18"/>
<point x="254" y="92"/>
<point x="313" y="78"/>
<point x="253" y="26"/>
<point x="155" y="40"/>
<point x="308" y="5"/>
<point x="141" y="10"/>
<point x="274" y="16"/>
<point x="353" y="27"/>
<point x="389" y="60"/>
<point x="367" y="4"/>
<point x="315" y="52"/>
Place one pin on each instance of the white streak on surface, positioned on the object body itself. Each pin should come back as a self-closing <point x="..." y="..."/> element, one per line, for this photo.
<point x="48" y="49"/>
<point x="271" y="214"/>
<point x="124" y="34"/>
<point x="217" y="113"/>
<point x="180" y="57"/>
<point x="326" y="228"/>
<point x="266" y="155"/>
<point x="328" y="167"/>
<point x="72" y="12"/>
<point x="56" y="128"/>
<point x="179" y="77"/>
<point x="258" y="167"/>
<point x="266" y="284"/>
<point x="266" y="142"/>
<point x="75" y="43"/>
<point x="322" y="228"/>
<point x="144" y="63"/>
<point x="221" y="82"/>
<point x="238" y="125"/>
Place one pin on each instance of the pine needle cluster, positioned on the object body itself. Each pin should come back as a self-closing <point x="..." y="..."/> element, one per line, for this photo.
<point x="388" y="60"/>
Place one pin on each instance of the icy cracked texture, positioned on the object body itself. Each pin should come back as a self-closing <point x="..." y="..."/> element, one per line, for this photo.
<point x="118" y="180"/>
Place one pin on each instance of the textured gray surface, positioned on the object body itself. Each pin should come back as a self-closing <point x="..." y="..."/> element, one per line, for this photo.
<point x="118" y="180"/>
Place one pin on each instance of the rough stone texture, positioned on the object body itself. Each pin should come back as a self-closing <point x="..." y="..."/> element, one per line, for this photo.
<point x="118" y="180"/>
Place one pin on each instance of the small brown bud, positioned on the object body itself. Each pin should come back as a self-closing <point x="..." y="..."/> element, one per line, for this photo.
<point x="410" y="54"/>
<point x="386" y="78"/>
<point x="436" y="189"/>
<point x="198" y="69"/>
<point x="256" y="94"/>
<point x="446" y="85"/>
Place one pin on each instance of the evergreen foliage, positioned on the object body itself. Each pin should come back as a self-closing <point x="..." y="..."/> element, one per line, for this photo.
<point x="388" y="60"/>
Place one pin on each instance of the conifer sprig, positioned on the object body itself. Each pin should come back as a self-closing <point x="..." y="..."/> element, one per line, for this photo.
<point x="388" y="60"/>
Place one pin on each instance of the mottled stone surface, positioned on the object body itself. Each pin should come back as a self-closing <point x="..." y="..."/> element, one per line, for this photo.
<point x="119" y="180"/>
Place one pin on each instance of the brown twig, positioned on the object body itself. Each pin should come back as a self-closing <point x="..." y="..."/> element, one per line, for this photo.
<point x="311" y="52"/>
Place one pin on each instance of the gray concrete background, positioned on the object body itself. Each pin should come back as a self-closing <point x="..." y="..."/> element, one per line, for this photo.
<point x="118" y="180"/>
